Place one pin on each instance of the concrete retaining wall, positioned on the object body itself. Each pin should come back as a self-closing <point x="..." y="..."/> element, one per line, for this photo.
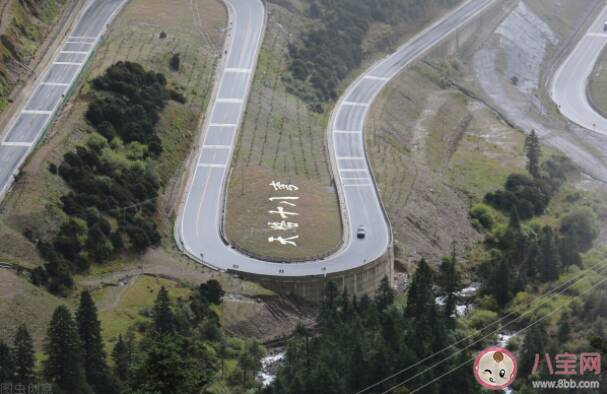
<point x="359" y="281"/>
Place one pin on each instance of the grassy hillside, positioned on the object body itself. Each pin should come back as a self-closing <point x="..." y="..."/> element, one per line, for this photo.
<point x="436" y="152"/>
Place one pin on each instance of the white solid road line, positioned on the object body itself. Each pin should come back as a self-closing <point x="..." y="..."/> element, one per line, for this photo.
<point x="211" y="165"/>
<point x="223" y="125"/>
<point x="36" y="112"/>
<point x="238" y="70"/>
<point x="354" y="104"/>
<point x="229" y="100"/>
<point x="55" y="84"/>
<point x="68" y="63"/>
<point x="347" y="131"/>
<point x="372" y="77"/>
<point x="9" y="143"/>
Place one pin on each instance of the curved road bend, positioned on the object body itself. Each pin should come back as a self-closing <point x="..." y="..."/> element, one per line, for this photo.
<point x="199" y="224"/>
<point x="570" y="82"/>
<point x="30" y="122"/>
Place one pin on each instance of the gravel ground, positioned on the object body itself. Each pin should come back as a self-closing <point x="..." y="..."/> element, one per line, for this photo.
<point x="524" y="42"/>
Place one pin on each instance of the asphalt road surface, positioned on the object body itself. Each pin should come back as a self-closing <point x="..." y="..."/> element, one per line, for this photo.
<point x="569" y="85"/>
<point x="199" y="225"/>
<point x="30" y="123"/>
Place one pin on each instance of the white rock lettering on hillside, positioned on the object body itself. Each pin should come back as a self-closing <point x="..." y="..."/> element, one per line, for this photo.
<point x="284" y="224"/>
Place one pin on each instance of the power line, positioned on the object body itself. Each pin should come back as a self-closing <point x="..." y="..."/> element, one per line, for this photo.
<point x="571" y="282"/>
<point x="516" y="333"/>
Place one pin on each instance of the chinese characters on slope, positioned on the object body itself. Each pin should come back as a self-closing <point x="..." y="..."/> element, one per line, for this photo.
<point x="283" y="215"/>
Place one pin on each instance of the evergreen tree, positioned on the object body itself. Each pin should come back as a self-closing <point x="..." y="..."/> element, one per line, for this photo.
<point x="174" y="364"/>
<point x="534" y="152"/>
<point x="249" y="359"/>
<point x="384" y="296"/>
<point x="89" y="329"/>
<point x="328" y="306"/>
<point x="451" y="285"/>
<point x="420" y="293"/>
<point x="64" y="365"/>
<point x="569" y="250"/>
<point x="7" y="364"/>
<point x="502" y="283"/>
<point x="536" y="342"/>
<point x="164" y="319"/>
<point x="564" y="329"/>
<point x="532" y="260"/>
<point x="427" y="325"/>
<point x="302" y="332"/>
<point x="23" y="349"/>
<point x="549" y="261"/>
<point x="120" y="356"/>
<point x="459" y="381"/>
<point x="211" y="291"/>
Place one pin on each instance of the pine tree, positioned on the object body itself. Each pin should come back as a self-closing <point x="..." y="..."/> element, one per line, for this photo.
<point x="384" y="296"/>
<point x="164" y="319"/>
<point x="420" y="293"/>
<point x="64" y="365"/>
<point x="249" y="359"/>
<point x="328" y="306"/>
<point x="451" y="285"/>
<point x="502" y="283"/>
<point x="549" y="260"/>
<point x="174" y="364"/>
<point x="120" y="356"/>
<point x="427" y="325"/>
<point x="7" y="364"/>
<point x="564" y="329"/>
<point x="536" y="342"/>
<point x="23" y="349"/>
<point x="532" y="260"/>
<point x="89" y="329"/>
<point x="211" y="291"/>
<point x="534" y="152"/>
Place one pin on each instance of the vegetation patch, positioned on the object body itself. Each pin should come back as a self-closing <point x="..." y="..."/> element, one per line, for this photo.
<point x="179" y="345"/>
<point x="113" y="180"/>
<point x="333" y="46"/>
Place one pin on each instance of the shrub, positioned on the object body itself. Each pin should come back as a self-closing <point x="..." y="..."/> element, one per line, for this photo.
<point x="175" y="62"/>
<point x="482" y="213"/>
<point x="580" y="226"/>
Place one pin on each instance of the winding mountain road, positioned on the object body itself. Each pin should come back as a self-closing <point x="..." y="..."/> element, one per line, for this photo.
<point x="570" y="82"/>
<point x="32" y="120"/>
<point x="199" y="225"/>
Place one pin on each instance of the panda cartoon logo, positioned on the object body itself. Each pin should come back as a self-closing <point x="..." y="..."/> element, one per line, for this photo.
<point x="495" y="368"/>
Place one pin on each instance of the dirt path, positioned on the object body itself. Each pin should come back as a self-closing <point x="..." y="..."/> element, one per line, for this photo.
<point x="110" y="303"/>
